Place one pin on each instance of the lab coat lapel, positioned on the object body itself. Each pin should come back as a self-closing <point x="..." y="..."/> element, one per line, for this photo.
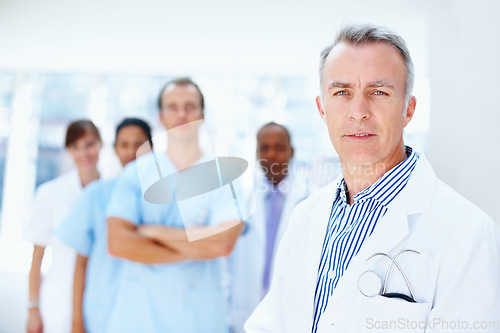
<point x="296" y="192"/>
<point x="260" y="216"/>
<point x="259" y="232"/>
<point x="74" y="184"/>
<point x="318" y="223"/>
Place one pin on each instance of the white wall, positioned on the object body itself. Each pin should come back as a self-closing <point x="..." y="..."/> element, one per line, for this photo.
<point x="454" y="42"/>
<point x="464" y="67"/>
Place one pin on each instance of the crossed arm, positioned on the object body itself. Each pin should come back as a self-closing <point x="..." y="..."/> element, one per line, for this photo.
<point x="158" y="244"/>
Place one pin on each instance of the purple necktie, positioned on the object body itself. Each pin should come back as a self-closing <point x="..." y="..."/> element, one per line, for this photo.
<point x="274" y="208"/>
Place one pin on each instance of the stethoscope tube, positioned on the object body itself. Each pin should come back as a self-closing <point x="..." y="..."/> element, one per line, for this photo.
<point x="390" y="267"/>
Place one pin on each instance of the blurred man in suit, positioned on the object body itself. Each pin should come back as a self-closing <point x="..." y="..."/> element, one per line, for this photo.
<point x="278" y="189"/>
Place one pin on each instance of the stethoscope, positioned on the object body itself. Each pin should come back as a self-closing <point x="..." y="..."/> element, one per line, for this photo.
<point x="370" y="284"/>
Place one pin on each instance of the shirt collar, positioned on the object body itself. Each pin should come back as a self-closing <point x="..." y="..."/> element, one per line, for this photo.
<point x="372" y="191"/>
<point x="272" y="188"/>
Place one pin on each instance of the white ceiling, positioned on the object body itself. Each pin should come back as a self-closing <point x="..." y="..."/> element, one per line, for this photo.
<point x="191" y="36"/>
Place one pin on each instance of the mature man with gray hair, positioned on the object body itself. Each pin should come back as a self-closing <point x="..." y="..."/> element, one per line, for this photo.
<point x="387" y="246"/>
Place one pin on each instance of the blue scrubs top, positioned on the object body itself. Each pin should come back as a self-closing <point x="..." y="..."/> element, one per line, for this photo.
<point x="84" y="229"/>
<point x="182" y="297"/>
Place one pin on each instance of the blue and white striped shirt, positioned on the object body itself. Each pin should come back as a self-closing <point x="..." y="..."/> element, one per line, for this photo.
<point x="349" y="226"/>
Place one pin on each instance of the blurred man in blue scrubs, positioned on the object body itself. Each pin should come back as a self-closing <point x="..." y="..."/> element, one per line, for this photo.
<point x="170" y="284"/>
<point x="84" y="229"/>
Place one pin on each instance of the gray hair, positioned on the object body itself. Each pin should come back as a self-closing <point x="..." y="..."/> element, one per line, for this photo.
<point x="369" y="34"/>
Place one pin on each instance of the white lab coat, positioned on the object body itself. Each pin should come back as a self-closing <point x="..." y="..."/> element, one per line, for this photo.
<point x="247" y="262"/>
<point x="53" y="202"/>
<point x="455" y="278"/>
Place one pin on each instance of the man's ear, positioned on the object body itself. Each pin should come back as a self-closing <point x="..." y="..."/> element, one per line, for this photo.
<point x="320" y="108"/>
<point x="410" y="110"/>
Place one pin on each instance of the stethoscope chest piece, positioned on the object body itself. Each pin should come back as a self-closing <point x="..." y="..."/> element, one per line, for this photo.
<point x="369" y="284"/>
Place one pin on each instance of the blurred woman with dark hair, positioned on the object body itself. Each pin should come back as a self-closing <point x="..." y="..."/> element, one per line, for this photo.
<point x="50" y="299"/>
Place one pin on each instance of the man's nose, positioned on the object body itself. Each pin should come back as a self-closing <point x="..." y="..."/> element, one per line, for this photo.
<point x="359" y="107"/>
<point x="271" y="154"/>
<point x="182" y="113"/>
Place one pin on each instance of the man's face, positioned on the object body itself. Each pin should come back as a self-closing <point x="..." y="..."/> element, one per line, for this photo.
<point x="180" y="104"/>
<point x="363" y="102"/>
<point x="274" y="152"/>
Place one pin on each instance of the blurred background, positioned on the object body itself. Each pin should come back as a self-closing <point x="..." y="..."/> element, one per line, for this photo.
<point x="254" y="61"/>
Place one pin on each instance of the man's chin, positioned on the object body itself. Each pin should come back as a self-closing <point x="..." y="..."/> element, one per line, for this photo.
<point x="359" y="158"/>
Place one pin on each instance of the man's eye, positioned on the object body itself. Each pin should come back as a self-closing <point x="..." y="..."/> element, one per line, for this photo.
<point x="342" y="92"/>
<point x="380" y="93"/>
